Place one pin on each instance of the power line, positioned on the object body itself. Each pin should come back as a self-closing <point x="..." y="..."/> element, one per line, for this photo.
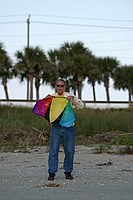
<point x="117" y="29"/>
<point x="125" y="49"/>
<point x="11" y="22"/>
<point x="68" y="17"/>
<point x="115" y="49"/>
<point x="103" y="41"/>
<point x="82" y="25"/>
<point x="106" y="41"/>
<point x="72" y="33"/>
<point x="69" y="24"/>
<point x="17" y="15"/>
<point x="125" y="57"/>
<point x="48" y="34"/>
<point x="12" y="36"/>
<point x="82" y="18"/>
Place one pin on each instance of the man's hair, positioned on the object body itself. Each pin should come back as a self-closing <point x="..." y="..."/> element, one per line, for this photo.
<point x="62" y="80"/>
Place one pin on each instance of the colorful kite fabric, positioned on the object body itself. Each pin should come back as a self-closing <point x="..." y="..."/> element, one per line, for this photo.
<point x="55" y="110"/>
<point x="58" y="104"/>
<point x="68" y="117"/>
<point x="41" y="106"/>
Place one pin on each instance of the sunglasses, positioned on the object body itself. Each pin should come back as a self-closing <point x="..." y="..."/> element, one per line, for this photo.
<point x="60" y="85"/>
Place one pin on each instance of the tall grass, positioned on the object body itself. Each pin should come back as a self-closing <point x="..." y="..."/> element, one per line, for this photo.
<point x="19" y="127"/>
<point x="88" y="121"/>
<point x="19" y="117"/>
<point x="95" y="121"/>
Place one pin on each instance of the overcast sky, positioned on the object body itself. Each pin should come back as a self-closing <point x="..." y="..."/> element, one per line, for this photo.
<point x="104" y="26"/>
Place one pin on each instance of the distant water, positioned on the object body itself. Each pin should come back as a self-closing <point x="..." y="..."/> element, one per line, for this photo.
<point x="89" y="105"/>
<point x="13" y="103"/>
<point x="106" y="105"/>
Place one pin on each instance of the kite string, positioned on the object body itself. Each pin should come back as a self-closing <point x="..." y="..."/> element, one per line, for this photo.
<point x="34" y="127"/>
<point x="32" y="132"/>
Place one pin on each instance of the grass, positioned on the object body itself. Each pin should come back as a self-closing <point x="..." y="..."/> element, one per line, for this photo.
<point x="125" y="143"/>
<point x="94" y="121"/>
<point x="122" y="144"/>
<point x="126" y="139"/>
<point x="20" y="127"/>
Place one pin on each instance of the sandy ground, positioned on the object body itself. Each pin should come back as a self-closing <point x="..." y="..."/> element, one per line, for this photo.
<point x="23" y="176"/>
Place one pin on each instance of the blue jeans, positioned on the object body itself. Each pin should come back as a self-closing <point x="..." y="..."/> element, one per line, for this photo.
<point x="66" y="136"/>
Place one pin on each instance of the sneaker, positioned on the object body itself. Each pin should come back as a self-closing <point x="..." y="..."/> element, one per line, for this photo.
<point x="51" y="176"/>
<point x="68" y="175"/>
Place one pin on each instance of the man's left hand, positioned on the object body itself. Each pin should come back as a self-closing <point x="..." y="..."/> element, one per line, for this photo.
<point x="70" y="98"/>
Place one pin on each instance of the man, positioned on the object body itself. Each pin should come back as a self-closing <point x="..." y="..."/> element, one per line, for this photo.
<point x="65" y="134"/>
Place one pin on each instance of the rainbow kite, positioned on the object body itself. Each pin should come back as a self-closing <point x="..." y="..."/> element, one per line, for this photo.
<point x="55" y="109"/>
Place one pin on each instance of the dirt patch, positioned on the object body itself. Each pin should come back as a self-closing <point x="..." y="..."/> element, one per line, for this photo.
<point x="22" y="139"/>
<point x="101" y="138"/>
<point x="49" y="185"/>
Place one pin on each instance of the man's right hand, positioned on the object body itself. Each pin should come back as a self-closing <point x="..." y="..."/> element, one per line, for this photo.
<point x="48" y="96"/>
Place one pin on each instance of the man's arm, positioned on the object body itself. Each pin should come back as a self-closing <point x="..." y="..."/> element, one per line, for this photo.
<point x="76" y="102"/>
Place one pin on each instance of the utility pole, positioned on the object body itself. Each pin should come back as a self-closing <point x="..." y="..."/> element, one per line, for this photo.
<point x="28" y="44"/>
<point x="28" y="32"/>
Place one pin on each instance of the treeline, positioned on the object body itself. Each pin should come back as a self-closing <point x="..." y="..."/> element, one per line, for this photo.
<point x="71" y="61"/>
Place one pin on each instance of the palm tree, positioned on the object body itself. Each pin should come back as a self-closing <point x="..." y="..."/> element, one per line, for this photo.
<point x="5" y="69"/>
<point x="40" y="68"/>
<point x="52" y="73"/>
<point x="73" y="63"/>
<point x="93" y="75"/>
<point x="30" y="63"/>
<point x="107" y="66"/>
<point x="20" y="68"/>
<point x="123" y="79"/>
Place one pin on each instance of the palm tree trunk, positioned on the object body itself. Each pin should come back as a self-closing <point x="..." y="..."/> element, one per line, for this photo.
<point x="94" y="93"/>
<point x="106" y="83"/>
<point x="4" y="83"/>
<point x="31" y="86"/>
<point x="6" y="92"/>
<point x="27" y="88"/>
<point x="37" y="93"/>
<point x="130" y="97"/>
<point x="37" y="86"/>
<point x="74" y="90"/>
<point x="107" y="94"/>
<point x="79" y="90"/>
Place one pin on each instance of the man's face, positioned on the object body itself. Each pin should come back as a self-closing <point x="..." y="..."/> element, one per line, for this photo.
<point x="60" y="87"/>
